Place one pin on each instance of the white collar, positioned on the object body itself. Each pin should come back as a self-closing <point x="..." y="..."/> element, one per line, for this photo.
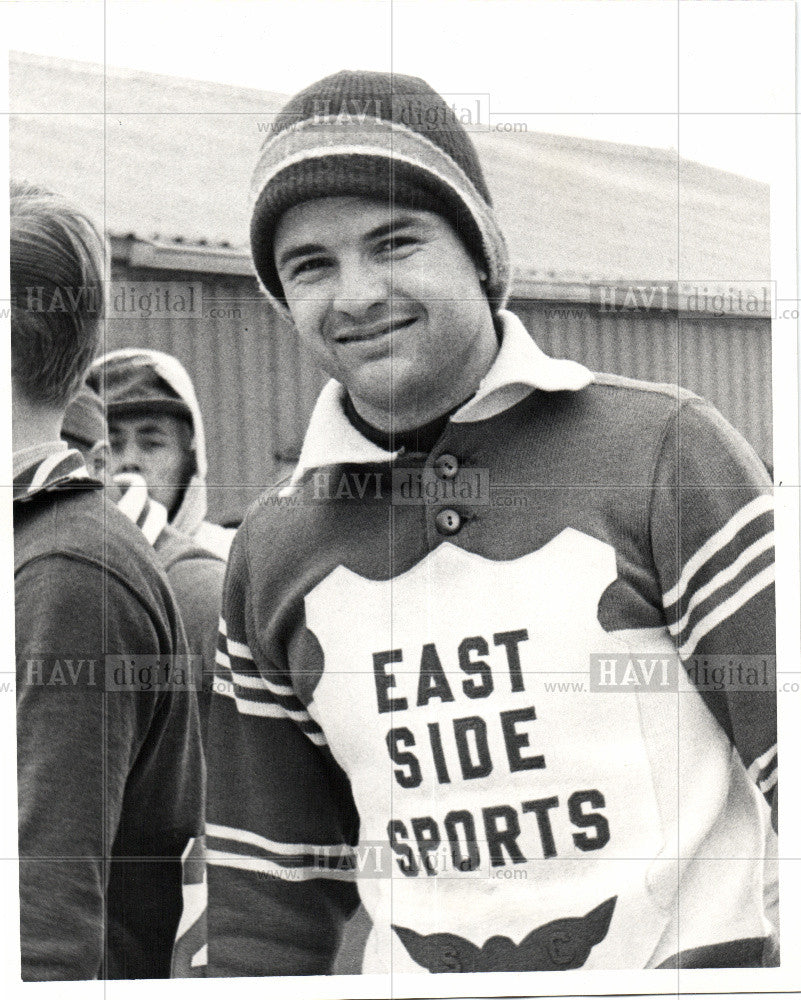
<point x="519" y="367"/>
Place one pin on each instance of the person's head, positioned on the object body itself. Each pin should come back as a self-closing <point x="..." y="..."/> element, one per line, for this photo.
<point x="85" y="429"/>
<point x="373" y="230"/>
<point x="149" y="423"/>
<point x="57" y="260"/>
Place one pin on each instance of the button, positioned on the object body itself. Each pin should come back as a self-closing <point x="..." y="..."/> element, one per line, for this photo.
<point x="448" y="521"/>
<point x="446" y="466"/>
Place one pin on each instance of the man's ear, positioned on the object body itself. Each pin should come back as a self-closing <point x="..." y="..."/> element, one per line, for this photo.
<point x="190" y="446"/>
<point x="97" y="462"/>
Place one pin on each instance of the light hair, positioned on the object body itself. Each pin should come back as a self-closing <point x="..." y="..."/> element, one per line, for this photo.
<point x="58" y="260"/>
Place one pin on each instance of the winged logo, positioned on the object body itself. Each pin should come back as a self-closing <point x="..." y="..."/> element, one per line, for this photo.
<point x="560" y="944"/>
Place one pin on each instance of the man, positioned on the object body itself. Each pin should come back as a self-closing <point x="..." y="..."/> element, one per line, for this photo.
<point x="110" y="770"/>
<point x="195" y="574"/>
<point x="156" y="431"/>
<point x="470" y="522"/>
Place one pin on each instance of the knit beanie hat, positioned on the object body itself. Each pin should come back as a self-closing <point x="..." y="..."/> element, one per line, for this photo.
<point x="382" y="136"/>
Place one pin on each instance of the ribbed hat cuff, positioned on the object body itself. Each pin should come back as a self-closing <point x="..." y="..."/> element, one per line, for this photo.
<point x="377" y="159"/>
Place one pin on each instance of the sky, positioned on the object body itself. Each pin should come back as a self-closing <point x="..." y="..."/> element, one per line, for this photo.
<point x="713" y="80"/>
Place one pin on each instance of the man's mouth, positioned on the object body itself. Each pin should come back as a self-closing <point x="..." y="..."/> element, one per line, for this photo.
<point x="373" y="331"/>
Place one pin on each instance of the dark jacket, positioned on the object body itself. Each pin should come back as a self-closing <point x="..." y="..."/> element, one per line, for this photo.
<point x="196" y="576"/>
<point x="110" y="766"/>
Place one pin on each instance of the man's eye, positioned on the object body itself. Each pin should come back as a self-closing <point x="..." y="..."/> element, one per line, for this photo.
<point x="397" y="244"/>
<point x="309" y="267"/>
<point x="150" y="444"/>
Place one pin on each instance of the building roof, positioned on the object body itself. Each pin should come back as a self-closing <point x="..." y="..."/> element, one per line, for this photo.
<point x="171" y="160"/>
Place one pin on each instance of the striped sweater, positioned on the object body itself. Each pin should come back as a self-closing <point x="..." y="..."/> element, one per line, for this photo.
<point x="558" y="667"/>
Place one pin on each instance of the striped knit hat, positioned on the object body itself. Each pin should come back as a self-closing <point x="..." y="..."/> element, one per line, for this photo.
<point x="382" y="136"/>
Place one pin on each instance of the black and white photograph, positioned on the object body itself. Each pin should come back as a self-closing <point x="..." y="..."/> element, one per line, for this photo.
<point x="402" y="495"/>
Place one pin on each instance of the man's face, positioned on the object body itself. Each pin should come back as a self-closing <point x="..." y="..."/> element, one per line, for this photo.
<point x="388" y="301"/>
<point x="95" y="456"/>
<point x="157" y="447"/>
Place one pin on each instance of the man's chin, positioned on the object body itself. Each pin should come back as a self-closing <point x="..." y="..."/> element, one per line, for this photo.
<point x="381" y="395"/>
<point x="167" y="498"/>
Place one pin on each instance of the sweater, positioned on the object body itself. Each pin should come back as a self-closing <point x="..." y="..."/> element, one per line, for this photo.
<point x="196" y="576"/>
<point x="543" y="650"/>
<point x="110" y="770"/>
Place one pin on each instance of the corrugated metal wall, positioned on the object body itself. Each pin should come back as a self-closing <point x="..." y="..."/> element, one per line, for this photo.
<point x="256" y="389"/>
<point x="727" y="360"/>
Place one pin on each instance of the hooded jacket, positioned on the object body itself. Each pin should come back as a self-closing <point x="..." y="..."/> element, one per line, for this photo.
<point x="190" y="518"/>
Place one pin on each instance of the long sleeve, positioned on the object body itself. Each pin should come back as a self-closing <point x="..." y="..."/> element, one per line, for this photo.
<point x="712" y="539"/>
<point x="198" y="584"/>
<point x="281" y="819"/>
<point x="102" y="776"/>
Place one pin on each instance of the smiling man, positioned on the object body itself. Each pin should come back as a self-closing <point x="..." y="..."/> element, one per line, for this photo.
<point x="469" y="522"/>
<point x="364" y="283"/>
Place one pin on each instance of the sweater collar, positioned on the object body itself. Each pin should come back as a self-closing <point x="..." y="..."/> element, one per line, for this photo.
<point x="27" y="458"/>
<point x="519" y="367"/>
<point x="60" y="468"/>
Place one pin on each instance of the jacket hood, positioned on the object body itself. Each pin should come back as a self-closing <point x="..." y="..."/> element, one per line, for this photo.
<point x="193" y="507"/>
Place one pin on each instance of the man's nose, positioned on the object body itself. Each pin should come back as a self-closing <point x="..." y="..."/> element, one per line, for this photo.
<point x="361" y="286"/>
<point x="127" y="460"/>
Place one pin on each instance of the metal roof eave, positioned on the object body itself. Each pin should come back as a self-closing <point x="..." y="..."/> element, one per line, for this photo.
<point x="748" y="299"/>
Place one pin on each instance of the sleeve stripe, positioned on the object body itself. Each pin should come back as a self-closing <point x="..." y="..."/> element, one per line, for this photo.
<point x="155" y="521"/>
<point x="726" y="609"/>
<point x="270" y="710"/>
<point x="762" y="762"/>
<point x="722" y="578"/>
<point x="222" y="628"/>
<point x="256" y="686"/>
<point x="201" y="958"/>
<point x="133" y="500"/>
<point x="266" y="867"/>
<point x="764" y="771"/>
<point x="770" y="782"/>
<point x="240" y="650"/>
<point x="228" y="680"/>
<point x="255" y="681"/>
<point x="275" y="846"/>
<point x="758" y="506"/>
